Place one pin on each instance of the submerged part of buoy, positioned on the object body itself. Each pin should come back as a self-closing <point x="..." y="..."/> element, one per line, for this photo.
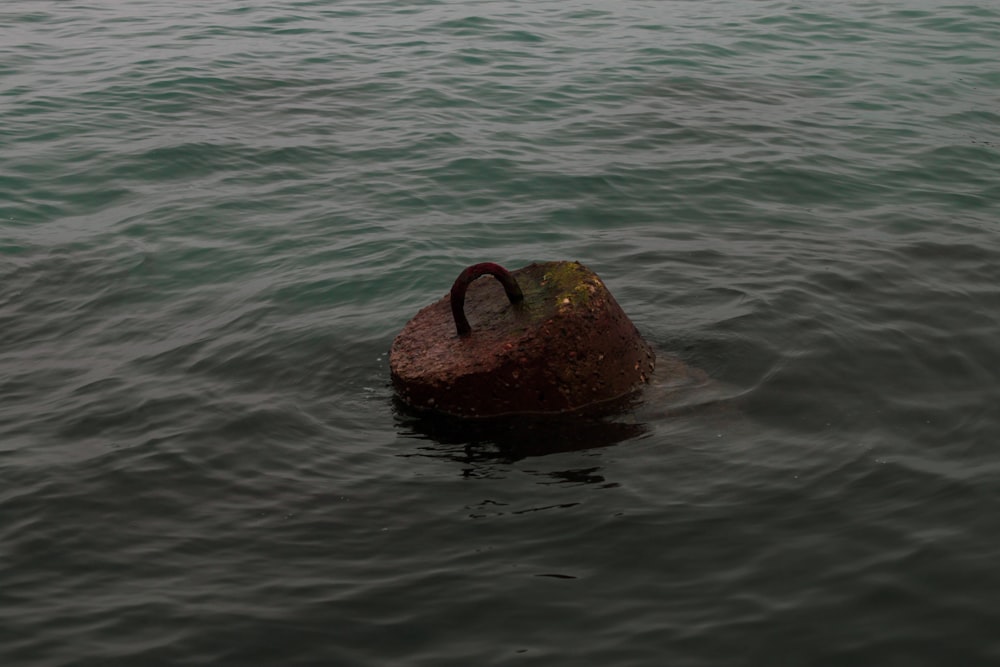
<point x="548" y="338"/>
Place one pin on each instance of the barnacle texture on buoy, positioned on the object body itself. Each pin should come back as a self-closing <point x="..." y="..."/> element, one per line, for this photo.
<point x="567" y="345"/>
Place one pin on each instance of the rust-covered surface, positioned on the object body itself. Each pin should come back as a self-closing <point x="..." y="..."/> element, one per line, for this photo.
<point x="568" y="345"/>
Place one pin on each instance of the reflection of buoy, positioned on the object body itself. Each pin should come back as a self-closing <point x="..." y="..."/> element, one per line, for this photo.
<point x="558" y="342"/>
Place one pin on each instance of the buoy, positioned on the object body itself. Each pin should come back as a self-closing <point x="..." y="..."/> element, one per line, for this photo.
<point x="546" y="338"/>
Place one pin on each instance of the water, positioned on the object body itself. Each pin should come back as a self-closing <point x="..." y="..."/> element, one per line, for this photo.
<point x="216" y="216"/>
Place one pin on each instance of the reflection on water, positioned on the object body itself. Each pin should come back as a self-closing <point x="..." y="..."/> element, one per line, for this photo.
<point x="512" y="438"/>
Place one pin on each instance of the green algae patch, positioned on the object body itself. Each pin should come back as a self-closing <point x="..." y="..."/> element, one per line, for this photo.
<point x="553" y="288"/>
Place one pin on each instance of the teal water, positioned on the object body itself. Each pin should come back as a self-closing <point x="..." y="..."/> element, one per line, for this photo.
<point x="215" y="217"/>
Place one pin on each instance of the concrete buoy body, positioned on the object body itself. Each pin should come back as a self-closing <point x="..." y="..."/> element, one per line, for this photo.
<point x="557" y="341"/>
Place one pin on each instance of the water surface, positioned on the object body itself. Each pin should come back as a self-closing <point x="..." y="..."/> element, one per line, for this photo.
<point x="214" y="217"/>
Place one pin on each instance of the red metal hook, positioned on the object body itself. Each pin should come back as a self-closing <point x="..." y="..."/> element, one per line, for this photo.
<point x="461" y="284"/>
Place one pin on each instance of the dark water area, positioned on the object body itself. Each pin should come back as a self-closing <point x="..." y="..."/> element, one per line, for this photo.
<point x="215" y="217"/>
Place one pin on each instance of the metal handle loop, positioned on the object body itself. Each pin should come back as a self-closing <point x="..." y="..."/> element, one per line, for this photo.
<point x="461" y="284"/>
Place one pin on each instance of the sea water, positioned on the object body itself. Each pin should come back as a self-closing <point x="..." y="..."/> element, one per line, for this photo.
<point x="215" y="216"/>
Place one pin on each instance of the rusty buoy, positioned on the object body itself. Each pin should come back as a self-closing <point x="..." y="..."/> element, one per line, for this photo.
<point x="546" y="338"/>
